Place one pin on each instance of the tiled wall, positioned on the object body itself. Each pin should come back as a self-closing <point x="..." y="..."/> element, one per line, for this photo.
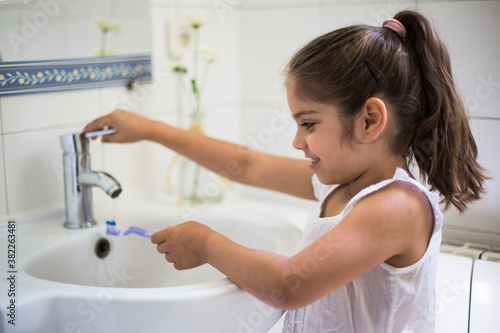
<point x="30" y="125"/>
<point x="245" y="100"/>
<point x="53" y="29"/>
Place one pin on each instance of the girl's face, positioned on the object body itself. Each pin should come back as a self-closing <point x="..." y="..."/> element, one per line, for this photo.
<point x="319" y="135"/>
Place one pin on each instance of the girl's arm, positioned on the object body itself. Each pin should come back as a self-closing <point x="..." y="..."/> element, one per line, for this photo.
<point x="238" y="163"/>
<point x="392" y="225"/>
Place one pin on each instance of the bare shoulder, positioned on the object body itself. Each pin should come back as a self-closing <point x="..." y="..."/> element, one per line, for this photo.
<point x="399" y="197"/>
<point x="402" y="214"/>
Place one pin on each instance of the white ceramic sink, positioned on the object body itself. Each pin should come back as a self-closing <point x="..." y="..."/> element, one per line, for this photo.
<point x="75" y="261"/>
<point x="64" y="287"/>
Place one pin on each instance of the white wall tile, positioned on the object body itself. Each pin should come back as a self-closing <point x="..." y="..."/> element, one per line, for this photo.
<point x="466" y="27"/>
<point x="8" y="13"/>
<point x="252" y="4"/>
<point x="159" y="17"/>
<point x="33" y="168"/>
<point x="270" y="130"/>
<point x="82" y="39"/>
<point x="11" y="41"/>
<point x="224" y="76"/>
<point x="154" y="100"/>
<point x="373" y="13"/>
<point x="138" y="166"/>
<point x="40" y="24"/>
<point x="270" y="39"/>
<point x="130" y="6"/>
<point x="223" y="123"/>
<point x="483" y="215"/>
<point x="45" y="43"/>
<point x="93" y="7"/>
<point x="164" y="3"/>
<point x="35" y="111"/>
<point x="3" y="192"/>
<point x="135" y="35"/>
<point x="194" y="4"/>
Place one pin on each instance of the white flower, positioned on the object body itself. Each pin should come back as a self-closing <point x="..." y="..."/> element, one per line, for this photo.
<point x="197" y="20"/>
<point x="210" y="55"/>
<point x="106" y="25"/>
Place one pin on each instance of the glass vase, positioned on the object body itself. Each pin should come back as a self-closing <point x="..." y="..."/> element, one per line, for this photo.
<point x="197" y="185"/>
<point x="193" y="183"/>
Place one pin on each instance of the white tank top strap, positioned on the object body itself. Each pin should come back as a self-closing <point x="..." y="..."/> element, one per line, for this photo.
<point x="400" y="175"/>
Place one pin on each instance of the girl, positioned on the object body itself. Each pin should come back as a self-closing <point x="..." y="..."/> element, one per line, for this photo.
<point x="368" y="102"/>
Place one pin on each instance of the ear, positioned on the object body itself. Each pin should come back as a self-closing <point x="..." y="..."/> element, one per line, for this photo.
<point x="372" y="119"/>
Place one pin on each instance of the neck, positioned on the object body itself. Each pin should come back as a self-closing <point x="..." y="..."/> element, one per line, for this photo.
<point x="377" y="173"/>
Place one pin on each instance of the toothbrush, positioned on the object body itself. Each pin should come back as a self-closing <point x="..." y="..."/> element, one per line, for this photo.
<point x="139" y="231"/>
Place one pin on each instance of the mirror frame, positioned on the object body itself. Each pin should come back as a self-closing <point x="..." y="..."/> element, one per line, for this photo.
<point x="28" y="77"/>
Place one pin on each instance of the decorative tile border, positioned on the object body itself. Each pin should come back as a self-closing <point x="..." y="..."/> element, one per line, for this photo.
<point x="68" y="74"/>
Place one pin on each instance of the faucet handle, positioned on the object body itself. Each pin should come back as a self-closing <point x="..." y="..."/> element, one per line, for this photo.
<point x="78" y="142"/>
<point x="93" y="134"/>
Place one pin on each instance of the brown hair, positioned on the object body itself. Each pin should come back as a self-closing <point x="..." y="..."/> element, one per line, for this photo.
<point x="431" y="119"/>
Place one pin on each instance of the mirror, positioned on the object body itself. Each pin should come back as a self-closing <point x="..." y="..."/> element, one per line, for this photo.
<point x="62" y="29"/>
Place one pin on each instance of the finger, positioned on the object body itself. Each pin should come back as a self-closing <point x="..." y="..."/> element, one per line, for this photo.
<point x="163" y="247"/>
<point x="108" y="138"/>
<point x="97" y="124"/>
<point x="157" y="237"/>
<point x="169" y="258"/>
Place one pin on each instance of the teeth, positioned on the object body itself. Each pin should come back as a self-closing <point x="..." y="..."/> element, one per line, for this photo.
<point x="315" y="160"/>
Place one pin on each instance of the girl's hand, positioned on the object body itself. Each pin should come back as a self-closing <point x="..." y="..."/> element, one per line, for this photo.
<point x="130" y="127"/>
<point x="184" y="245"/>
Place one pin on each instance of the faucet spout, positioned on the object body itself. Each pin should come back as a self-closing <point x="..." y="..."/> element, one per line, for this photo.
<point x="101" y="179"/>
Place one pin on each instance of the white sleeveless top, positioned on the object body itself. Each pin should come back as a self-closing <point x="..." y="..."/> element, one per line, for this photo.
<point x="385" y="299"/>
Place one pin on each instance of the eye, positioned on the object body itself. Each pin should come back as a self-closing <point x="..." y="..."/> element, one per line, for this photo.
<point x="307" y="125"/>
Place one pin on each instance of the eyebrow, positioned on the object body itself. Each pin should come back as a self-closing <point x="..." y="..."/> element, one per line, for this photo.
<point x="301" y="113"/>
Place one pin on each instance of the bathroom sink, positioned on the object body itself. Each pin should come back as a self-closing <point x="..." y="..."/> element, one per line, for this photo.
<point x="87" y="281"/>
<point x="77" y="260"/>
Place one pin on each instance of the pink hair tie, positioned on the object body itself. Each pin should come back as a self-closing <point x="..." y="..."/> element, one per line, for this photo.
<point x="395" y="26"/>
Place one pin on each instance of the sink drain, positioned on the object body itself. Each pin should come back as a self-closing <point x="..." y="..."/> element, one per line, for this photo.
<point x="102" y="248"/>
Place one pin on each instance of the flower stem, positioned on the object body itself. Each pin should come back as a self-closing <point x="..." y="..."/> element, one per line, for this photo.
<point x="194" y="193"/>
<point x="196" y="54"/>
<point x="103" y="42"/>
<point x="204" y="80"/>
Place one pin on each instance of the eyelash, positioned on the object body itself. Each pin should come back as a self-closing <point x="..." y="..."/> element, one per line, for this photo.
<point x="307" y="125"/>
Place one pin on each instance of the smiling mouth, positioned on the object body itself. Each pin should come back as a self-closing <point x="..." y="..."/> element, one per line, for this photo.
<point x="314" y="162"/>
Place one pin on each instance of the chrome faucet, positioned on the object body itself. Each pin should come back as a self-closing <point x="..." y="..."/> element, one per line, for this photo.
<point x="79" y="178"/>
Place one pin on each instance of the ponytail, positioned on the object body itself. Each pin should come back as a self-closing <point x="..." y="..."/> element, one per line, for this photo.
<point x="442" y="143"/>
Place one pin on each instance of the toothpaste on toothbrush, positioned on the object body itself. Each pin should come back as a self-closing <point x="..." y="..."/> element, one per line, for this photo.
<point x="112" y="229"/>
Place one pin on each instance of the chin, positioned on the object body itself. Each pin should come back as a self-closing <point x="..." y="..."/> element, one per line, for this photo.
<point x="325" y="179"/>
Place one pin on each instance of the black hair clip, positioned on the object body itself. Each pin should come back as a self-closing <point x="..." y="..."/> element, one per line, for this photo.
<point x="383" y="84"/>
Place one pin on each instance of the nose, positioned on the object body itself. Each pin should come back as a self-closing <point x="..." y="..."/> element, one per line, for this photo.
<point x="299" y="142"/>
